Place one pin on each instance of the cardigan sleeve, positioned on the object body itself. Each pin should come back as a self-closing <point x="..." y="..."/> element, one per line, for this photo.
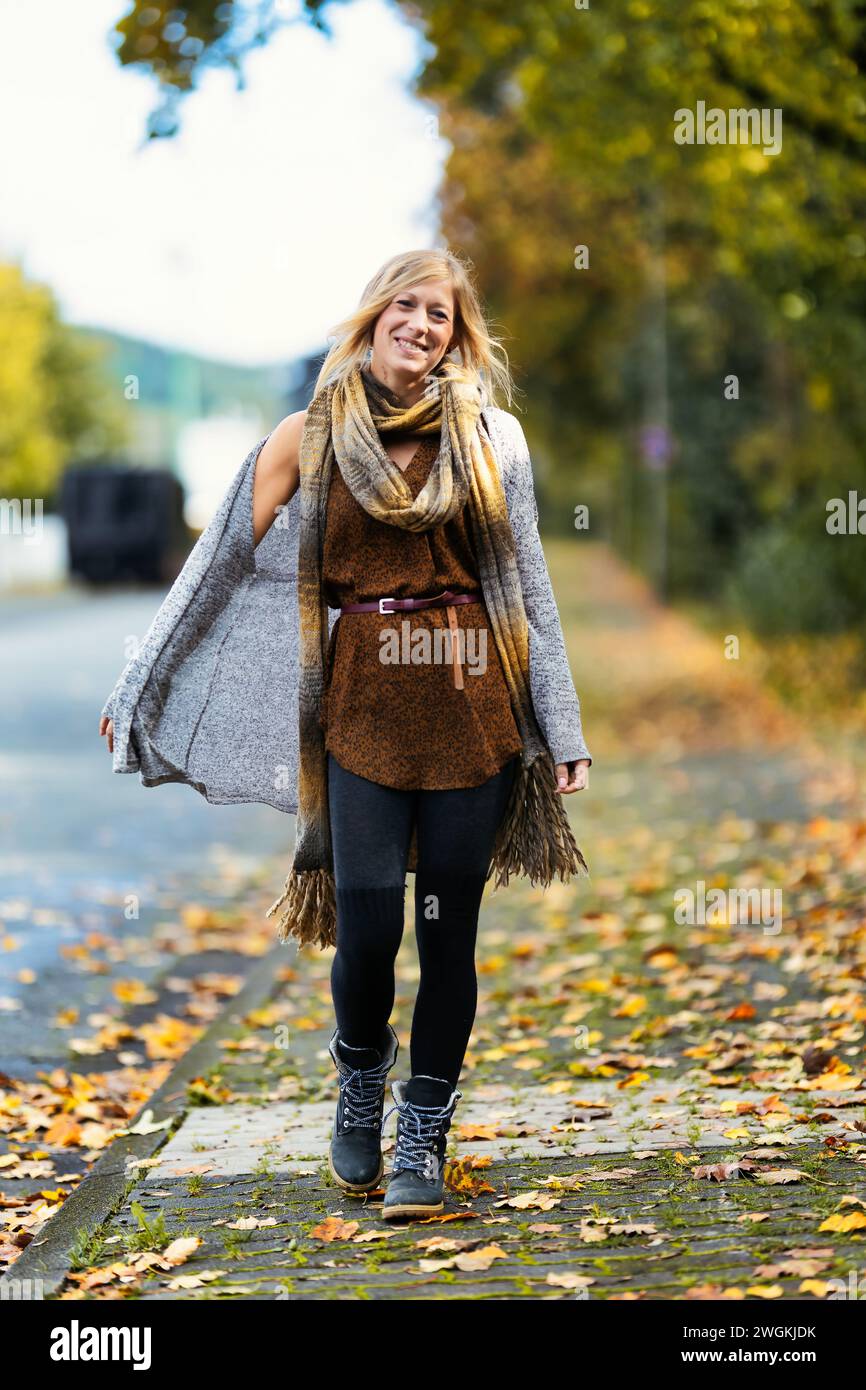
<point x="554" y="697"/>
<point x="108" y="707"/>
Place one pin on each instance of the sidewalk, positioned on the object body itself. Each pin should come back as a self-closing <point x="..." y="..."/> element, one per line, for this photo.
<point x="650" y="1109"/>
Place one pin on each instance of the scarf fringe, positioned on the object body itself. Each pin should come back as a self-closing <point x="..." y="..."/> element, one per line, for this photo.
<point x="534" y="836"/>
<point x="309" y="909"/>
<point x="534" y="839"/>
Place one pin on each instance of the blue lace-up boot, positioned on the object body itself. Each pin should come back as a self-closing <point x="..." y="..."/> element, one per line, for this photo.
<point x="426" y="1105"/>
<point x="355" y="1152"/>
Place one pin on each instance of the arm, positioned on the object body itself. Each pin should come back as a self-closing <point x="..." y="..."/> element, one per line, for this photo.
<point x="277" y="472"/>
<point x="555" y="700"/>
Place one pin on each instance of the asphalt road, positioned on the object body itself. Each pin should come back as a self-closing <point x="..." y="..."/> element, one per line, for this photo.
<point x="75" y="838"/>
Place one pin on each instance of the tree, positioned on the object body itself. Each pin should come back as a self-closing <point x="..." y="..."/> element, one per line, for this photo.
<point x="54" y="399"/>
<point x="176" y="43"/>
<point x="707" y="262"/>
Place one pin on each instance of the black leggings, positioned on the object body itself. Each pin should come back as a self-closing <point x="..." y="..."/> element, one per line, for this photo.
<point x="371" y="827"/>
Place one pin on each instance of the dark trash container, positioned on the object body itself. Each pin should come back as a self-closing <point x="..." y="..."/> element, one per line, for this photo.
<point x="124" y="524"/>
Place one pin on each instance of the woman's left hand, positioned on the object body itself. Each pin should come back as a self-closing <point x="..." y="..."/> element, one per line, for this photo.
<point x="572" y="777"/>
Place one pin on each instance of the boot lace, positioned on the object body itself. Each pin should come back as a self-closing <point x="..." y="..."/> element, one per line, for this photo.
<point x="418" y="1128"/>
<point x="362" y="1091"/>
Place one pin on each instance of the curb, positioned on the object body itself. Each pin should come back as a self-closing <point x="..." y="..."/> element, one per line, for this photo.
<point x="48" y="1257"/>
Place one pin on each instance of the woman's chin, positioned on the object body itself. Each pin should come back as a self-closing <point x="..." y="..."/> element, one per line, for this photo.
<point x="407" y="369"/>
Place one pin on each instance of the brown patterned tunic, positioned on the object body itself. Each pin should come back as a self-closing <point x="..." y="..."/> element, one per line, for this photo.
<point x="401" y="721"/>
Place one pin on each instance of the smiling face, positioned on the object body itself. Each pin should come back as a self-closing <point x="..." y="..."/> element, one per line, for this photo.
<point x="412" y="335"/>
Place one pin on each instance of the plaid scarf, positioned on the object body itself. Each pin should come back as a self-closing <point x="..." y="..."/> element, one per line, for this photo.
<point x="344" y="421"/>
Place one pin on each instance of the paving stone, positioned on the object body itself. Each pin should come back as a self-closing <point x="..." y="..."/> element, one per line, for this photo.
<point x="235" y="1139"/>
<point x="664" y="1232"/>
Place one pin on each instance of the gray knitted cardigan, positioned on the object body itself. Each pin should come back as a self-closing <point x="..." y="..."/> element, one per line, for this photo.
<point x="211" y="697"/>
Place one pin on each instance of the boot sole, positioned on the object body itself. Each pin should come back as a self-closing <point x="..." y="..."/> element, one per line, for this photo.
<point x="352" y="1186"/>
<point x="412" y="1209"/>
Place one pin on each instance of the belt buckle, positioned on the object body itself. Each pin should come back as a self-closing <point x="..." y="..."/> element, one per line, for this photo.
<point x="386" y="600"/>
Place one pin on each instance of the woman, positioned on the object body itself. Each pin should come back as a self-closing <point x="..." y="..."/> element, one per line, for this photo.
<point x="438" y="726"/>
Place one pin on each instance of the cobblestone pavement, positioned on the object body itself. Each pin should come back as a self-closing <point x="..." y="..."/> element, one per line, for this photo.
<point x="613" y="1061"/>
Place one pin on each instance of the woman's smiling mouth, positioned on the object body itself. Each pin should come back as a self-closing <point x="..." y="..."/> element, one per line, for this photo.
<point x="408" y="346"/>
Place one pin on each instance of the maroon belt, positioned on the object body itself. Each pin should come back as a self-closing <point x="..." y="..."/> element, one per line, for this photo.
<point x="447" y="599"/>
<point x="407" y="605"/>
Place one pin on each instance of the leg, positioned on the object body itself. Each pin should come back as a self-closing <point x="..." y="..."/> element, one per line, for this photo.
<point x="456" y="834"/>
<point x="371" y="828"/>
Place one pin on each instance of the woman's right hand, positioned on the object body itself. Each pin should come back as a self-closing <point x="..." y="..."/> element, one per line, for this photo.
<point x="106" y="726"/>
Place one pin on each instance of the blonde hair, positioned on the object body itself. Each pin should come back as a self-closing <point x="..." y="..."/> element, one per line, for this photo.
<point x="483" y="359"/>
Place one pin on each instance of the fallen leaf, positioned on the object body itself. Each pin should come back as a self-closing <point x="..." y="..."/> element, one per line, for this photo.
<point x="854" y="1221"/>
<point x="334" y="1228"/>
<point x="780" y="1175"/>
<point x="195" y="1281"/>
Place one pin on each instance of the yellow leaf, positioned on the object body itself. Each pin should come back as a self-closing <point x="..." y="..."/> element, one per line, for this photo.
<point x="133" y="992"/>
<point x="198" y="918"/>
<point x="854" y="1221"/>
<point x="819" y="1287"/>
<point x="167" y="1037"/>
<point x="636" y="1078"/>
<point x="834" y="1081"/>
<point x="630" y="1007"/>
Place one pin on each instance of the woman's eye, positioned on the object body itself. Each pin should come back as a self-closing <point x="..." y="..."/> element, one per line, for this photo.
<point x="407" y="303"/>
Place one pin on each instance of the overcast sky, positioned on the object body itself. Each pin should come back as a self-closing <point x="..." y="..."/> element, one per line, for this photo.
<point x="248" y="235"/>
